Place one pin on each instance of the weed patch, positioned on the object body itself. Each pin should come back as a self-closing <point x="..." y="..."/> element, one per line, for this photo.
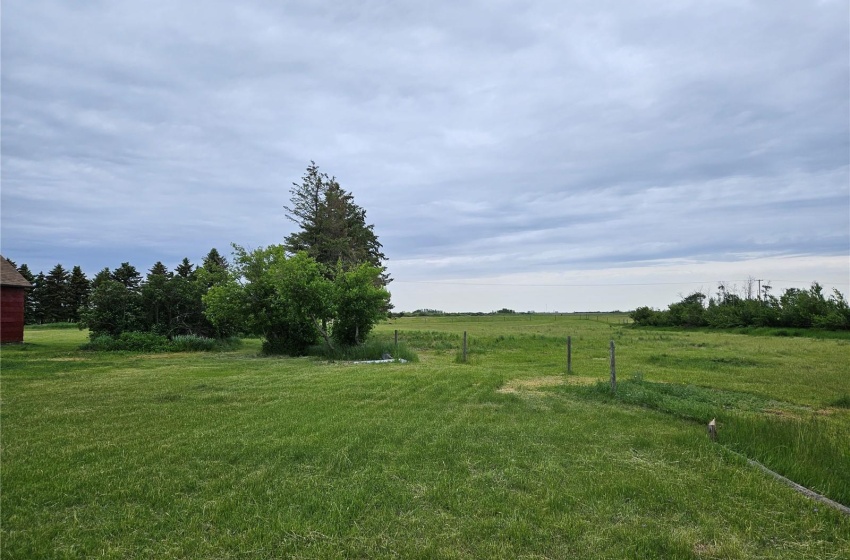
<point x="372" y="349"/>
<point x="150" y="342"/>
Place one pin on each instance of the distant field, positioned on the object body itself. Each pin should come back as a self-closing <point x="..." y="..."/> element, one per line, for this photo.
<point x="233" y="455"/>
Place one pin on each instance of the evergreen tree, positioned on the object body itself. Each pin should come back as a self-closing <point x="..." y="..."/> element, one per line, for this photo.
<point x="38" y="313"/>
<point x="158" y="269"/>
<point x="213" y="270"/>
<point x="101" y="277"/>
<point x="156" y="299"/>
<point x="214" y="261"/>
<point x="79" y="288"/>
<point x="113" y="308"/>
<point x="29" y="301"/>
<point x="25" y="271"/>
<point x="185" y="269"/>
<point x="55" y="295"/>
<point x="333" y="228"/>
<point x="29" y="298"/>
<point x="128" y="276"/>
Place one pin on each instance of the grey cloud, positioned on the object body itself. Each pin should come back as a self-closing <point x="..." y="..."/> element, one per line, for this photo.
<point x="481" y="138"/>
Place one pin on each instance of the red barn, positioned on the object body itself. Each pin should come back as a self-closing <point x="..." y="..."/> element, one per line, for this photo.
<point x="13" y="289"/>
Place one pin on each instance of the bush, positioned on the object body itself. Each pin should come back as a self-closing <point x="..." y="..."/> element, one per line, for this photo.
<point x="132" y="341"/>
<point x="646" y="316"/>
<point x="195" y="343"/>
<point x="151" y="342"/>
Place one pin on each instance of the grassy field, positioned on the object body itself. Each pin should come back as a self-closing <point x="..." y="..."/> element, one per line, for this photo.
<point x="233" y="455"/>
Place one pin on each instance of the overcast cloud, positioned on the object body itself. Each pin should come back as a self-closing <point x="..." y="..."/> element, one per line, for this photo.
<point x="536" y="155"/>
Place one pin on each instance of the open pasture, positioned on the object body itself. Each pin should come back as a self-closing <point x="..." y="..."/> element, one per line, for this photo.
<point x="234" y="455"/>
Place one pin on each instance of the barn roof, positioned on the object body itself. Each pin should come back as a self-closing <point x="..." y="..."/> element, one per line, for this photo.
<point x="9" y="275"/>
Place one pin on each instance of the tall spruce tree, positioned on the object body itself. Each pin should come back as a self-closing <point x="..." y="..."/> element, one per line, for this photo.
<point x="38" y="314"/>
<point x="29" y="297"/>
<point x="55" y="295"/>
<point x="79" y="289"/>
<point x="101" y="277"/>
<point x="333" y="228"/>
<point x="185" y="269"/>
<point x="128" y="276"/>
<point x="214" y="260"/>
<point x="156" y="303"/>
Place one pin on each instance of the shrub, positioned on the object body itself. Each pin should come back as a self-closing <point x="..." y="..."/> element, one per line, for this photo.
<point x="192" y="343"/>
<point x="151" y="342"/>
<point x="142" y="341"/>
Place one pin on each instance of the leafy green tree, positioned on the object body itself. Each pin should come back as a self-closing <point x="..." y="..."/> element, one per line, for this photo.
<point x="361" y="302"/>
<point x="290" y="300"/>
<point x="113" y="308"/>
<point x="646" y="316"/>
<point x="837" y="316"/>
<point x="800" y="308"/>
<point x="689" y="312"/>
<point x="301" y="282"/>
<point x="795" y="308"/>
<point x="79" y="289"/>
<point x="252" y="300"/>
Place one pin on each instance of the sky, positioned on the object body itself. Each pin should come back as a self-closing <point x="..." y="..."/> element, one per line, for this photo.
<point x="545" y="156"/>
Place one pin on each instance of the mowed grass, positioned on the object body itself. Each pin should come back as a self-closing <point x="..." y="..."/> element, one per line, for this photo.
<point x="233" y="455"/>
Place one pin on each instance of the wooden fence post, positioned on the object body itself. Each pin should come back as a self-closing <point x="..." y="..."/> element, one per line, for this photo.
<point x="569" y="354"/>
<point x="613" y="370"/>
<point x="464" y="346"/>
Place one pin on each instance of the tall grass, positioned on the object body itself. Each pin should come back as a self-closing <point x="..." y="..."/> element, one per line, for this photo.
<point x="151" y="342"/>
<point x="792" y="441"/>
<point x="809" y="450"/>
<point x="372" y="349"/>
<point x="53" y="326"/>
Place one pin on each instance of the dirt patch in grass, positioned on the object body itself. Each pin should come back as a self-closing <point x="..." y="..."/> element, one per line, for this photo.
<point x="534" y="384"/>
<point x="578" y="380"/>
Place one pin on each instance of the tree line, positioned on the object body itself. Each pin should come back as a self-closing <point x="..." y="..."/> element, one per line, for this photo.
<point x="795" y="308"/>
<point x="326" y="283"/>
<point x="56" y="297"/>
<point x="121" y="300"/>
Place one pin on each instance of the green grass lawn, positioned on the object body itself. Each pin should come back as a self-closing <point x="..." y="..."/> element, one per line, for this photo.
<point x="233" y="455"/>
